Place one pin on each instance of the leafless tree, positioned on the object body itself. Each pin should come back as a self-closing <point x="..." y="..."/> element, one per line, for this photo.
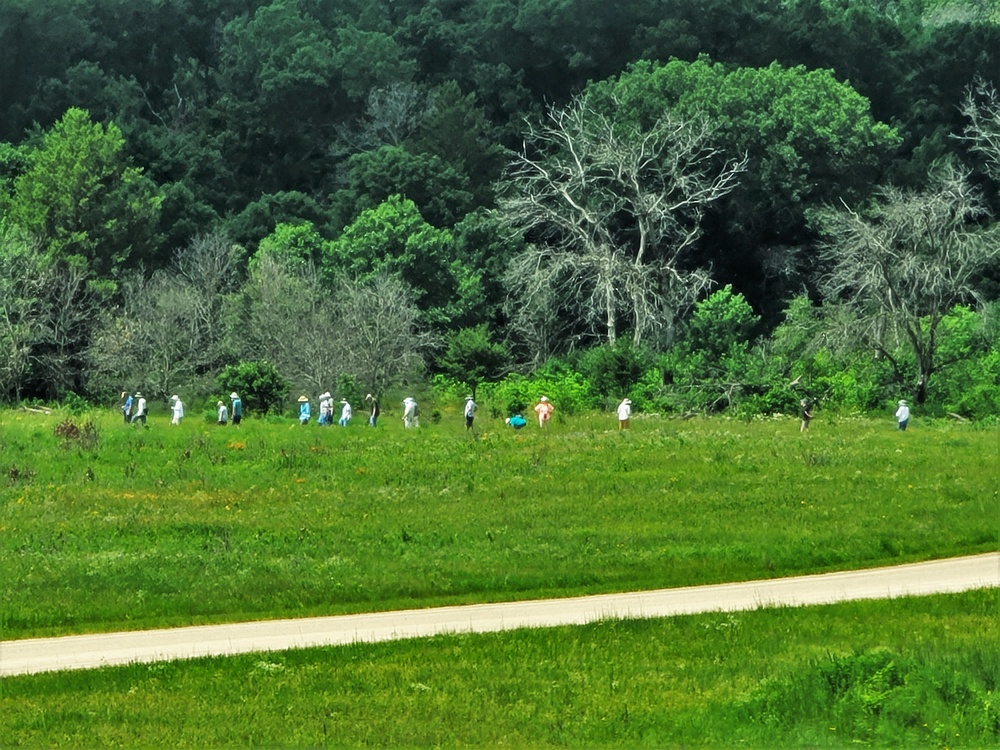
<point x="392" y="114"/>
<point x="904" y="266"/>
<point x="170" y="328"/>
<point x="377" y="333"/>
<point x="611" y="211"/>
<point x="289" y="319"/>
<point x="22" y="307"/>
<point x="982" y="108"/>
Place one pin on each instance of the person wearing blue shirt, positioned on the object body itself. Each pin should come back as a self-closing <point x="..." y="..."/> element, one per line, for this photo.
<point x="517" y="421"/>
<point x="237" y="409"/>
<point x="304" y="411"/>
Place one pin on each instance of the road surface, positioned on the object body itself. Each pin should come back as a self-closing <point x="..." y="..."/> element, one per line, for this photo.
<point x="31" y="656"/>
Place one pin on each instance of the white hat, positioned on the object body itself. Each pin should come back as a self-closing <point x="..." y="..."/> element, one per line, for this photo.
<point x="544" y="398"/>
<point x="902" y="402"/>
<point x="138" y="394"/>
<point x="627" y="401"/>
<point x="233" y="395"/>
<point x="468" y="398"/>
<point x="325" y="395"/>
<point x="343" y="400"/>
<point x="175" y="398"/>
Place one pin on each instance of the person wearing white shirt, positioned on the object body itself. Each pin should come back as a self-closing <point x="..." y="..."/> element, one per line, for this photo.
<point x="624" y="414"/>
<point x="470" y="412"/>
<point x="902" y="416"/>
<point x="177" y="410"/>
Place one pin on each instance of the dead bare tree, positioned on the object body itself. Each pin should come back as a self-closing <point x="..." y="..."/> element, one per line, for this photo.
<point x="611" y="212"/>
<point x="982" y="108"/>
<point x="289" y="319"/>
<point x="377" y="333"/>
<point x="903" y="267"/>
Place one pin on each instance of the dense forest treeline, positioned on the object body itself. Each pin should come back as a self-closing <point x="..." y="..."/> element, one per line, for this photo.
<point x="355" y="191"/>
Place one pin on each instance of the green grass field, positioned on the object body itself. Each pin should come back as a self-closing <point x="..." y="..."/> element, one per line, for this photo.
<point x="130" y="528"/>
<point x="109" y="527"/>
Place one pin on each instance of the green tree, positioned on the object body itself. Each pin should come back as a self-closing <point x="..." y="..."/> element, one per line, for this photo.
<point x="437" y="188"/>
<point x="393" y="239"/>
<point x="81" y="200"/>
<point x="472" y="357"/>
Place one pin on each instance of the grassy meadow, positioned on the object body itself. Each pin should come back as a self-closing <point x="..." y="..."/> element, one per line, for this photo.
<point x="111" y="527"/>
<point x="913" y="672"/>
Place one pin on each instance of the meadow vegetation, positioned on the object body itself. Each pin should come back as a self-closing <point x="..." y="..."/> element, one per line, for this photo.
<point x="105" y="526"/>
<point x="912" y="672"/>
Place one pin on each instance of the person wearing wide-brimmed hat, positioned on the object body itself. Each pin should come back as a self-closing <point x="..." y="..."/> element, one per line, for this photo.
<point x="902" y="415"/>
<point x="624" y="414"/>
<point x="345" y="413"/>
<point x="470" y="412"/>
<point x="305" y="412"/>
<point x="140" y="409"/>
<point x="325" y="409"/>
<point x="544" y="411"/>
<point x="237" y="409"/>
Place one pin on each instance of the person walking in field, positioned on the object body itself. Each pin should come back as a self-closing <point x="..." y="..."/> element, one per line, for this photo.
<point x="805" y="415"/>
<point x="237" y="409"/>
<point x="325" y="409"/>
<point x="177" y="410"/>
<point x="305" y="411"/>
<point x="223" y="413"/>
<point x="345" y="413"/>
<point x="411" y="413"/>
<point x="544" y="411"/>
<point x="126" y="406"/>
<point x="902" y="416"/>
<point x="140" y="409"/>
<point x="624" y="414"/>
<point x="470" y="412"/>
<point x="373" y="414"/>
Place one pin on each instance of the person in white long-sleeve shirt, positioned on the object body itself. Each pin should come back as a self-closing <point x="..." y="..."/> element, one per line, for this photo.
<point x="902" y="416"/>
<point x="177" y="410"/>
<point x="624" y="414"/>
<point x="345" y="413"/>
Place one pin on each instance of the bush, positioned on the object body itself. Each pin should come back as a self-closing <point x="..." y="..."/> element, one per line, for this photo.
<point x="259" y="385"/>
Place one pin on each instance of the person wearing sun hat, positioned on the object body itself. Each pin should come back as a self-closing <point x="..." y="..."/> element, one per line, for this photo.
<point x="544" y="411"/>
<point x="325" y="409"/>
<point x="902" y="415"/>
<point x="140" y="409"/>
<point x="470" y="412"/>
<point x="345" y="413"/>
<point x="237" y="409"/>
<point x="305" y="412"/>
<point x="624" y="413"/>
